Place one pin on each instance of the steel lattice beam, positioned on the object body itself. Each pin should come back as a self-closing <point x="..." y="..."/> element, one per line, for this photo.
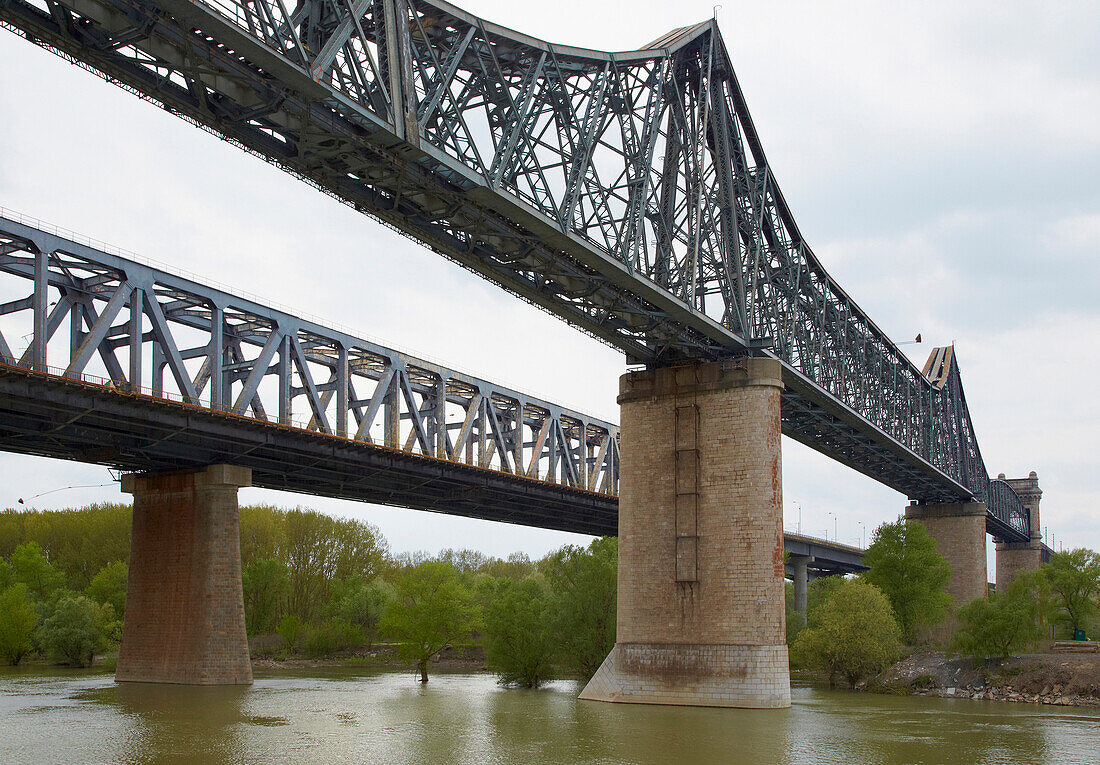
<point x="166" y="336"/>
<point x="626" y="192"/>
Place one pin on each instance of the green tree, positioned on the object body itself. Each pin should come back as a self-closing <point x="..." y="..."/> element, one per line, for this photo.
<point x="17" y="622"/>
<point x="7" y="576"/>
<point x="432" y="608"/>
<point x="851" y="635"/>
<point x="360" y="603"/>
<point x="32" y="569"/>
<point x="109" y="586"/>
<point x="1074" y="579"/>
<point x="77" y="542"/>
<point x="583" y="590"/>
<point x="76" y="630"/>
<point x="904" y="565"/>
<point x="266" y="594"/>
<point x="319" y="549"/>
<point x="519" y="640"/>
<point x="1002" y="623"/>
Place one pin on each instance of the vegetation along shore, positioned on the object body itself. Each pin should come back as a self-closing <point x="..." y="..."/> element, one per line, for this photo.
<point x="322" y="591"/>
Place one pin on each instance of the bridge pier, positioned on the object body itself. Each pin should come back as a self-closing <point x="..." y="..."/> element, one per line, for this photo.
<point x="184" y="618"/>
<point x="800" y="575"/>
<point x="701" y="599"/>
<point x="959" y="531"/>
<point x="1013" y="557"/>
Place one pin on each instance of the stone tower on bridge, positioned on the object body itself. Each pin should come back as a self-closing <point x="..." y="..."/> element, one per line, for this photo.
<point x="1016" y="556"/>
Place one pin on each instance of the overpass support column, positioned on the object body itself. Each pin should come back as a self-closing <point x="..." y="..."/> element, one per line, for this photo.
<point x="1019" y="556"/>
<point x="800" y="577"/>
<point x="959" y="531"/>
<point x="701" y="600"/>
<point x="184" y="604"/>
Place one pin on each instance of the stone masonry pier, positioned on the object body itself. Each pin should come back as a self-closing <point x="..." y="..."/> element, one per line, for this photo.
<point x="184" y="618"/>
<point x="700" y="607"/>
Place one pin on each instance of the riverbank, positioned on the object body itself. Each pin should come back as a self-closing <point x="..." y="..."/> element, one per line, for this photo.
<point x="1059" y="679"/>
<point x="469" y="658"/>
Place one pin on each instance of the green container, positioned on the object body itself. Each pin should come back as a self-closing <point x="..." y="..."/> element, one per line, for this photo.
<point x="1079" y="635"/>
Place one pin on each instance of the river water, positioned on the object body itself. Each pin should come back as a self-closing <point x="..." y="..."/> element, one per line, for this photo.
<point x="351" y="716"/>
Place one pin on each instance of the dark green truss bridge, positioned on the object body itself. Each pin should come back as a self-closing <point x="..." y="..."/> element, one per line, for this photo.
<point x="627" y="193"/>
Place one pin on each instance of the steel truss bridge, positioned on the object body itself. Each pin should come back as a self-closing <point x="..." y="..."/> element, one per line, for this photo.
<point x="131" y="366"/>
<point x="627" y="193"/>
<point x="148" y="382"/>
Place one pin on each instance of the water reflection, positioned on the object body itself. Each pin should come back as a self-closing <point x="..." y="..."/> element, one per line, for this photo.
<point x="179" y="723"/>
<point x="347" y="716"/>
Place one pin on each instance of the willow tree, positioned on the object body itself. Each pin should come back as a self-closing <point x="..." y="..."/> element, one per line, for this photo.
<point x="432" y="608"/>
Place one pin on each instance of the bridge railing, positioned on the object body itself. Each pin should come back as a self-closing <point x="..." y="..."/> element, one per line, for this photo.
<point x="136" y="329"/>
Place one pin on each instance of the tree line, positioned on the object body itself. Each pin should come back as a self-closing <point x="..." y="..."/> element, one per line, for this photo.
<point x="857" y="626"/>
<point x="315" y="585"/>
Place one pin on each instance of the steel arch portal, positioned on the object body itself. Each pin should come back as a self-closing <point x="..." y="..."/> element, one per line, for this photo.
<point x="627" y="193"/>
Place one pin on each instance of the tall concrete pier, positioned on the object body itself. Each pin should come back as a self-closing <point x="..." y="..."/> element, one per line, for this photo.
<point x="184" y="604"/>
<point x="701" y="599"/>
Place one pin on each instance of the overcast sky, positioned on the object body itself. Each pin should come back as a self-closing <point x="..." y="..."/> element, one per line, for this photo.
<point x="943" y="159"/>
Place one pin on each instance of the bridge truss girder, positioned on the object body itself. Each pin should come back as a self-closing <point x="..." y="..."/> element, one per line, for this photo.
<point x="627" y="193"/>
<point x="140" y="329"/>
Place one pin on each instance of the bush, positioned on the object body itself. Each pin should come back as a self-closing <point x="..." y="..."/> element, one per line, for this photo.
<point x="361" y="603"/>
<point x="583" y="592"/>
<point x="76" y="630"/>
<point x="852" y="634"/>
<point x="1002" y="623"/>
<point x="519" y="631"/>
<point x="266" y="584"/>
<point x="291" y="630"/>
<point x="330" y="637"/>
<point x="17" y="622"/>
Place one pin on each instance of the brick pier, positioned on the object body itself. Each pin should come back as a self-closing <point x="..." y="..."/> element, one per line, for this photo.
<point x="184" y="618"/>
<point x="700" y="606"/>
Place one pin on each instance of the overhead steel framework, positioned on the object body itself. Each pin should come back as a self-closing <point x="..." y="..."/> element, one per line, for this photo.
<point x="626" y="192"/>
<point x="139" y="330"/>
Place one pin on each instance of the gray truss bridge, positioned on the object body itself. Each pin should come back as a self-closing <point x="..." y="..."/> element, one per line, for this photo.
<point x="628" y="193"/>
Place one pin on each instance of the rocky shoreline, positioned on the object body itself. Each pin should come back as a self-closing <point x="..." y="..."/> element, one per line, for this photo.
<point x="1056" y="679"/>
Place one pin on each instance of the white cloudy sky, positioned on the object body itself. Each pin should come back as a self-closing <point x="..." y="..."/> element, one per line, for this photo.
<point x="943" y="158"/>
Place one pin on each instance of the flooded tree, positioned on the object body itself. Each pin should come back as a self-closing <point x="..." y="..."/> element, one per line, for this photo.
<point x="432" y="608"/>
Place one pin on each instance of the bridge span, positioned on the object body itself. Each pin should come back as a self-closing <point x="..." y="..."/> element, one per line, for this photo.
<point x="629" y="194"/>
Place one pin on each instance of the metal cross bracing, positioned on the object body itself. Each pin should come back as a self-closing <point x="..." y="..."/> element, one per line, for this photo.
<point x="626" y="192"/>
<point x="144" y="330"/>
